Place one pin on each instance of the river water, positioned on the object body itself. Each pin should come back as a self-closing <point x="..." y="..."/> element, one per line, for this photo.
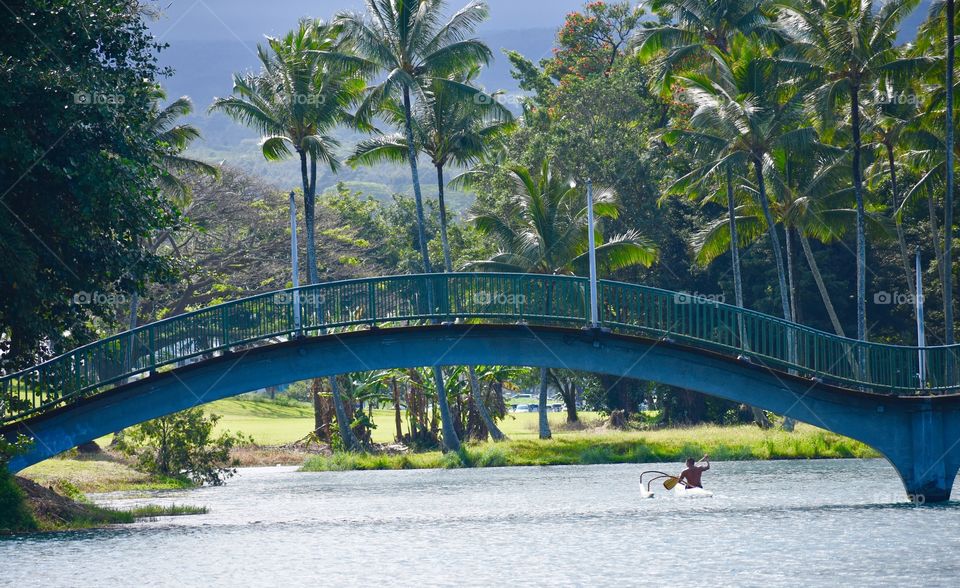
<point x="768" y="524"/>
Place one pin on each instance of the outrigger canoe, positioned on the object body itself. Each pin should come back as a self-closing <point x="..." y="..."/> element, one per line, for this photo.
<point x="670" y="482"/>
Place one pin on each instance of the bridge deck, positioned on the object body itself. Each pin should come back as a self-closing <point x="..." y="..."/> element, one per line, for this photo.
<point x="489" y="298"/>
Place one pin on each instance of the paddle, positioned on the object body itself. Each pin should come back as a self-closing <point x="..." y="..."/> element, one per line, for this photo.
<point x="669" y="483"/>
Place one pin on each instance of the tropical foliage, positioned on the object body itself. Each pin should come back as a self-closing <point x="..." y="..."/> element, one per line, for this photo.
<point x="758" y="149"/>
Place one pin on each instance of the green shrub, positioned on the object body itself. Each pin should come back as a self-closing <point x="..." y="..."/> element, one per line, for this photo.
<point x="182" y="445"/>
<point x="14" y="514"/>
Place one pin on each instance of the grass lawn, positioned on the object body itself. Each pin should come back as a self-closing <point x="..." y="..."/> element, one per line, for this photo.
<point x="267" y="422"/>
<point x="279" y="424"/>
<point x="95" y="475"/>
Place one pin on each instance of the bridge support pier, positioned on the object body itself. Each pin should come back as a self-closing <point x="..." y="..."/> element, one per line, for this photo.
<point x="926" y="449"/>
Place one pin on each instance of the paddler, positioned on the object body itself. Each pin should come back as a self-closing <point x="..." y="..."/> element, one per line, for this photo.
<point x="690" y="477"/>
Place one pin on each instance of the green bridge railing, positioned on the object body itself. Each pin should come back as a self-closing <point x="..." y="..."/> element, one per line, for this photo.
<point x="485" y="297"/>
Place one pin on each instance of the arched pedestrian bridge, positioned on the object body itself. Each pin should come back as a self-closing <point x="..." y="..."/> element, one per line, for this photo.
<point x="868" y="391"/>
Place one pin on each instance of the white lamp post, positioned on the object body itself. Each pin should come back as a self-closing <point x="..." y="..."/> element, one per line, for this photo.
<point x="594" y="310"/>
<point x="921" y="337"/>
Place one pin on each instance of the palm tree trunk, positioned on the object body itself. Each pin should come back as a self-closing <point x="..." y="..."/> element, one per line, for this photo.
<point x="759" y="416"/>
<point x="948" y="198"/>
<point x="895" y="198"/>
<point x="346" y="433"/>
<point x="861" y="216"/>
<point x="309" y="178"/>
<point x="774" y="239"/>
<point x="935" y="240"/>
<point x="734" y="245"/>
<point x="415" y="175"/>
<point x="821" y="286"/>
<point x="544" y="422"/>
<point x="314" y="274"/>
<point x="791" y="277"/>
<point x="492" y="428"/>
<point x="397" y="416"/>
<point x="447" y="260"/>
<point x="935" y="232"/>
<point x="448" y="267"/>
<point x="450" y="440"/>
<point x="781" y="269"/>
<point x="309" y="212"/>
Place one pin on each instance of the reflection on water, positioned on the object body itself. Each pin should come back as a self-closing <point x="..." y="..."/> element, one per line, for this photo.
<point x="768" y="524"/>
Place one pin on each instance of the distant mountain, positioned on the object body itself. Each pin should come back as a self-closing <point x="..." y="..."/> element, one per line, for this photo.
<point x="203" y="69"/>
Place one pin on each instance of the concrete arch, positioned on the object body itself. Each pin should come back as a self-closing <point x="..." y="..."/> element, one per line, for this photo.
<point x="919" y="435"/>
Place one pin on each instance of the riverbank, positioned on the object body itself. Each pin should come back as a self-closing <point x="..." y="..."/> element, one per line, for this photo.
<point x="601" y="446"/>
<point x="26" y="506"/>
<point x="98" y="473"/>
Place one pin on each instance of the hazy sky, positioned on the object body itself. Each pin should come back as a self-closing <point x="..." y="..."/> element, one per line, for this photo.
<point x="250" y="19"/>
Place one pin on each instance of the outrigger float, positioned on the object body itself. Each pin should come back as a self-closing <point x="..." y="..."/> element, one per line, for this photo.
<point x="670" y="482"/>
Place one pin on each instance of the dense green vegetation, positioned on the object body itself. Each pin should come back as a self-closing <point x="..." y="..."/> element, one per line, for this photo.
<point x="184" y="446"/>
<point x="783" y="155"/>
<point x="743" y="442"/>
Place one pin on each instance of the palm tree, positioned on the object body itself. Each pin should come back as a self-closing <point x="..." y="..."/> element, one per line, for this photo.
<point x="683" y="42"/>
<point x="297" y="99"/>
<point x="447" y="129"/>
<point x="848" y="45"/>
<point x="405" y="39"/>
<point x="925" y="157"/>
<point x="295" y="102"/>
<point x="894" y="113"/>
<point x="543" y="230"/>
<point x="939" y="32"/>
<point x="738" y="117"/>
<point x="171" y="138"/>
<point x="810" y="193"/>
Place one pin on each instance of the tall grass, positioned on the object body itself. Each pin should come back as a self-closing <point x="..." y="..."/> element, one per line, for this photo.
<point x="152" y="511"/>
<point x="673" y="445"/>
